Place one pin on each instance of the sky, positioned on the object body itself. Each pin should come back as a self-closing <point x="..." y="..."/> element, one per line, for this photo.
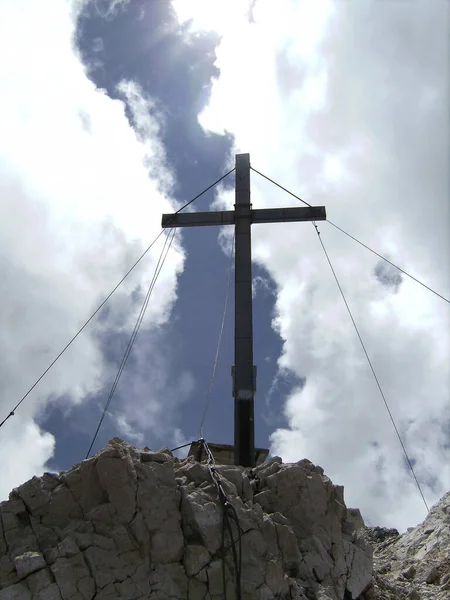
<point x="115" y="112"/>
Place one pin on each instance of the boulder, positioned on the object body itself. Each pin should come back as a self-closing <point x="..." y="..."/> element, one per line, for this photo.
<point x="135" y="524"/>
<point x="415" y="564"/>
<point x="28" y="563"/>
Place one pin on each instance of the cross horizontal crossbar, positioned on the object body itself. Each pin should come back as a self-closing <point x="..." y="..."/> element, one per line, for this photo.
<point x="243" y="217"/>
<point x="228" y="217"/>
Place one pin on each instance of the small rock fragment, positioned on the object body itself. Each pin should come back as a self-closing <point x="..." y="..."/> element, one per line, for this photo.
<point x="29" y="562"/>
<point x="433" y="576"/>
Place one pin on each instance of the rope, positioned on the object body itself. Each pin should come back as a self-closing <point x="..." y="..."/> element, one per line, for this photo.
<point x="205" y="190"/>
<point x="179" y="447"/>
<point x="391" y="263"/>
<point x="226" y="525"/>
<point x="11" y="413"/>
<point x="353" y="321"/>
<point x="372" y="369"/>
<point x="81" y="329"/>
<point x="159" y="266"/>
<point x="356" y="240"/>
<point x="208" y="397"/>
<point x="281" y="187"/>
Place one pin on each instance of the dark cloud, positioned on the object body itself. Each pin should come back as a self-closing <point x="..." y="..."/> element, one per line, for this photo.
<point x="387" y="275"/>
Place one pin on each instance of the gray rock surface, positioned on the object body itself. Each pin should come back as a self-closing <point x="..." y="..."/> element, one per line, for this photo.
<point x="134" y="524"/>
<point x="415" y="565"/>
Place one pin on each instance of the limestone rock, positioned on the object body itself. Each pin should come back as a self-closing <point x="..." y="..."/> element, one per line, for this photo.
<point x="202" y="519"/>
<point x="18" y="591"/>
<point x="29" y="563"/>
<point x="136" y="524"/>
<point x="83" y="481"/>
<point x="415" y="564"/>
<point x="195" y="558"/>
<point x="39" y="581"/>
<point x="322" y="525"/>
<point x="67" y="572"/>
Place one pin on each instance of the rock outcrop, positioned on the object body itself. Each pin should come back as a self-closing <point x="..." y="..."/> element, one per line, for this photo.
<point x="415" y="565"/>
<point x="134" y="524"/>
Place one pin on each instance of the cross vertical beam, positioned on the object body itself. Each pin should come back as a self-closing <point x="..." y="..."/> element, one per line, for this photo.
<point x="243" y="372"/>
<point x="242" y="217"/>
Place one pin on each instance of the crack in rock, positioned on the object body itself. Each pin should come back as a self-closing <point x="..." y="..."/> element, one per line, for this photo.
<point x="135" y="524"/>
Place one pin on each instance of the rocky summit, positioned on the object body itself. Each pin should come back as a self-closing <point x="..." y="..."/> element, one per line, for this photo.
<point x="415" y="565"/>
<point x="135" y="524"/>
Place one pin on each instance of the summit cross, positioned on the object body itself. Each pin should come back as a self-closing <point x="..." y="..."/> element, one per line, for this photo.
<point x="242" y="217"/>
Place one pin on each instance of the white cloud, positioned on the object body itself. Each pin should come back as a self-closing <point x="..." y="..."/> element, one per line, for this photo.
<point x="107" y="9"/>
<point x="126" y="430"/>
<point x="25" y="454"/>
<point x="207" y="15"/>
<point x="260" y="283"/>
<point x="156" y="391"/>
<point x="346" y="105"/>
<point x="81" y="196"/>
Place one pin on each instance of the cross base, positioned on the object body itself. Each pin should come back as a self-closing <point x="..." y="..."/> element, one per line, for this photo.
<point x="223" y="453"/>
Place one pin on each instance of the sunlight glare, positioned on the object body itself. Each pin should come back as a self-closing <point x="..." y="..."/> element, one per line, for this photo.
<point x="219" y="16"/>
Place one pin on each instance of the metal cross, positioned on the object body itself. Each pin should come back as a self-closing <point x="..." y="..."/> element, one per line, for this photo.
<point x="242" y="217"/>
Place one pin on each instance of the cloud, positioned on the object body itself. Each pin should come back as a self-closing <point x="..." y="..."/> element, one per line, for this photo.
<point x="24" y="454"/>
<point x="388" y="275"/>
<point x="156" y="391"/>
<point x="260" y="283"/>
<point x="107" y="9"/>
<point x="346" y="105"/>
<point x="81" y="196"/>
